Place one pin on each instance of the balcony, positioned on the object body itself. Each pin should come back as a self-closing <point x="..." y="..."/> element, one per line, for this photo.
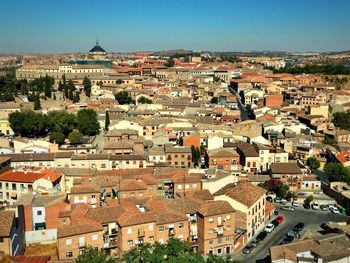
<point x="219" y="231"/>
<point x="141" y="233"/>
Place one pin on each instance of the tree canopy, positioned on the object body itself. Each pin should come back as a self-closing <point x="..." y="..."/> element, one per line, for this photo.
<point x="144" y="100"/>
<point x="124" y="98"/>
<point x="342" y="120"/>
<point x="336" y="172"/>
<point x="92" y="255"/>
<point x="75" y="137"/>
<point x="173" y="251"/>
<point x="313" y="69"/>
<point x="32" y="124"/>
<point x="313" y="164"/>
<point x="87" y="86"/>
<point x="87" y="122"/>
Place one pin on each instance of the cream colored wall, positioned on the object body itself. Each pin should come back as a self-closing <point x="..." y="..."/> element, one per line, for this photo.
<point x="214" y="186"/>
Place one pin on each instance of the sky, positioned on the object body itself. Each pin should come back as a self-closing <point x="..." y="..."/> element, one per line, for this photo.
<point x="52" y="26"/>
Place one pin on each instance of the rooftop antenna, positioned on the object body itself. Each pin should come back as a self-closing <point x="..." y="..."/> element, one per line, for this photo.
<point x="96" y="41"/>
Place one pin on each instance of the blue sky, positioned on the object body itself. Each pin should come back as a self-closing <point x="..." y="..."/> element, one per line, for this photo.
<point x="53" y="26"/>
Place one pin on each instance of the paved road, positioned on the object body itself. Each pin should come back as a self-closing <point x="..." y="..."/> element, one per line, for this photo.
<point x="241" y="107"/>
<point x="311" y="218"/>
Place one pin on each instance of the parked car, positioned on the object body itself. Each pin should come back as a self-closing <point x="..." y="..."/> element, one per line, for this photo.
<point x="269" y="228"/>
<point x="277" y="200"/>
<point x="284" y="201"/>
<point x="295" y="203"/>
<point x="255" y="242"/>
<point x="289" y="238"/>
<point x="280" y="219"/>
<point x="248" y="249"/>
<point x="269" y="198"/>
<point x="315" y="206"/>
<point x="334" y="210"/>
<point x="324" y="207"/>
<point x="288" y="208"/>
<point x="298" y="227"/>
<point x="275" y="222"/>
<point x="261" y="236"/>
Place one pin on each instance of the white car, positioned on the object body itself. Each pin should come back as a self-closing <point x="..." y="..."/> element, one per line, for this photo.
<point x="269" y="228"/>
<point x="315" y="206"/>
<point x="295" y="203"/>
<point x="334" y="210"/>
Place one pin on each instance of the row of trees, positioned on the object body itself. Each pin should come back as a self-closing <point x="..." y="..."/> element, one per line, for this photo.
<point x="313" y="69"/>
<point x="59" y="124"/>
<point x="173" y="251"/>
<point x="68" y="89"/>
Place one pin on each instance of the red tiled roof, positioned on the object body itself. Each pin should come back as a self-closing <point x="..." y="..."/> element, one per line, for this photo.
<point x="29" y="177"/>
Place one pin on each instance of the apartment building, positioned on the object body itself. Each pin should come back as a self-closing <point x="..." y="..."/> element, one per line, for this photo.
<point x="14" y="183"/>
<point x="224" y="158"/>
<point x="248" y="199"/>
<point x="216" y="228"/>
<point x="313" y="99"/>
<point x="179" y="157"/>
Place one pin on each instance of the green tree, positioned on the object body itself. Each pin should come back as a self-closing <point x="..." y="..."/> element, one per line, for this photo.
<point x="48" y="85"/>
<point x="123" y="98"/>
<point x="92" y="255"/>
<point x="37" y="105"/>
<point x="196" y="155"/>
<point x="313" y="164"/>
<point x="57" y="137"/>
<point x="71" y="89"/>
<point x="87" y="122"/>
<point x="330" y="141"/>
<point x="170" y="62"/>
<point x="107" y="121"/>
<point x="76" y="97"/>
<point x="144" y="100"/>
<point x="119" y="81"/>
<point x="61" y="121"/>
<point x="342" y="120"/>
<point x="87" y="86"/>
<point x="173" y="251"/>
<point x="336" y="172"/>
<point x="60" y="86"/>
<point x="214" y="100"/>
<point x="28" y="123"/>
<point x="309" y="199"/>
<point x="75" y="137"/>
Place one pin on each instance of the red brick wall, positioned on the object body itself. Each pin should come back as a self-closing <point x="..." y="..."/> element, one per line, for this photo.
<point x="52" y="212"/>
<point x="28" y="218"/>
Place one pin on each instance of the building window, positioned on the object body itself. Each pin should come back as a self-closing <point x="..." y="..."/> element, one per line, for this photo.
<point x="161" y="228"/>
<point x="181" y="225"/>
<point x="211" y="220"/>
<point x="228" y="217"/>
<point x="94" y="237"/>
<point x="219" y="240"/>
<point x="151" y="238"/>
<point x="69" y="254"/>
<point x="130" y="242"/>
<point x="219" y="251"/>
<point x="210" y="252"/>
<point x="14" y="187"/>
<point x="210" y="242"/>
<point x="39" y="213"/>
<point x="228" y="239"/>
<point x="150" y="227"/>
<point x="129" y="231"/>
<point x="68" y="241"/>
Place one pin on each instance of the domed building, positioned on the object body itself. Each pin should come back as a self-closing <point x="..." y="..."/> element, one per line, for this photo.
<point x="96" y="56"/>
<point x="97" y="53"/>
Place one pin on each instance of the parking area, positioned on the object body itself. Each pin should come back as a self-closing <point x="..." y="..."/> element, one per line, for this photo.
<point x="312" y="219"/>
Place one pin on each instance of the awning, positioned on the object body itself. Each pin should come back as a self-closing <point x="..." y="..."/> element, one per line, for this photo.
<point x="14" y="195"/>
